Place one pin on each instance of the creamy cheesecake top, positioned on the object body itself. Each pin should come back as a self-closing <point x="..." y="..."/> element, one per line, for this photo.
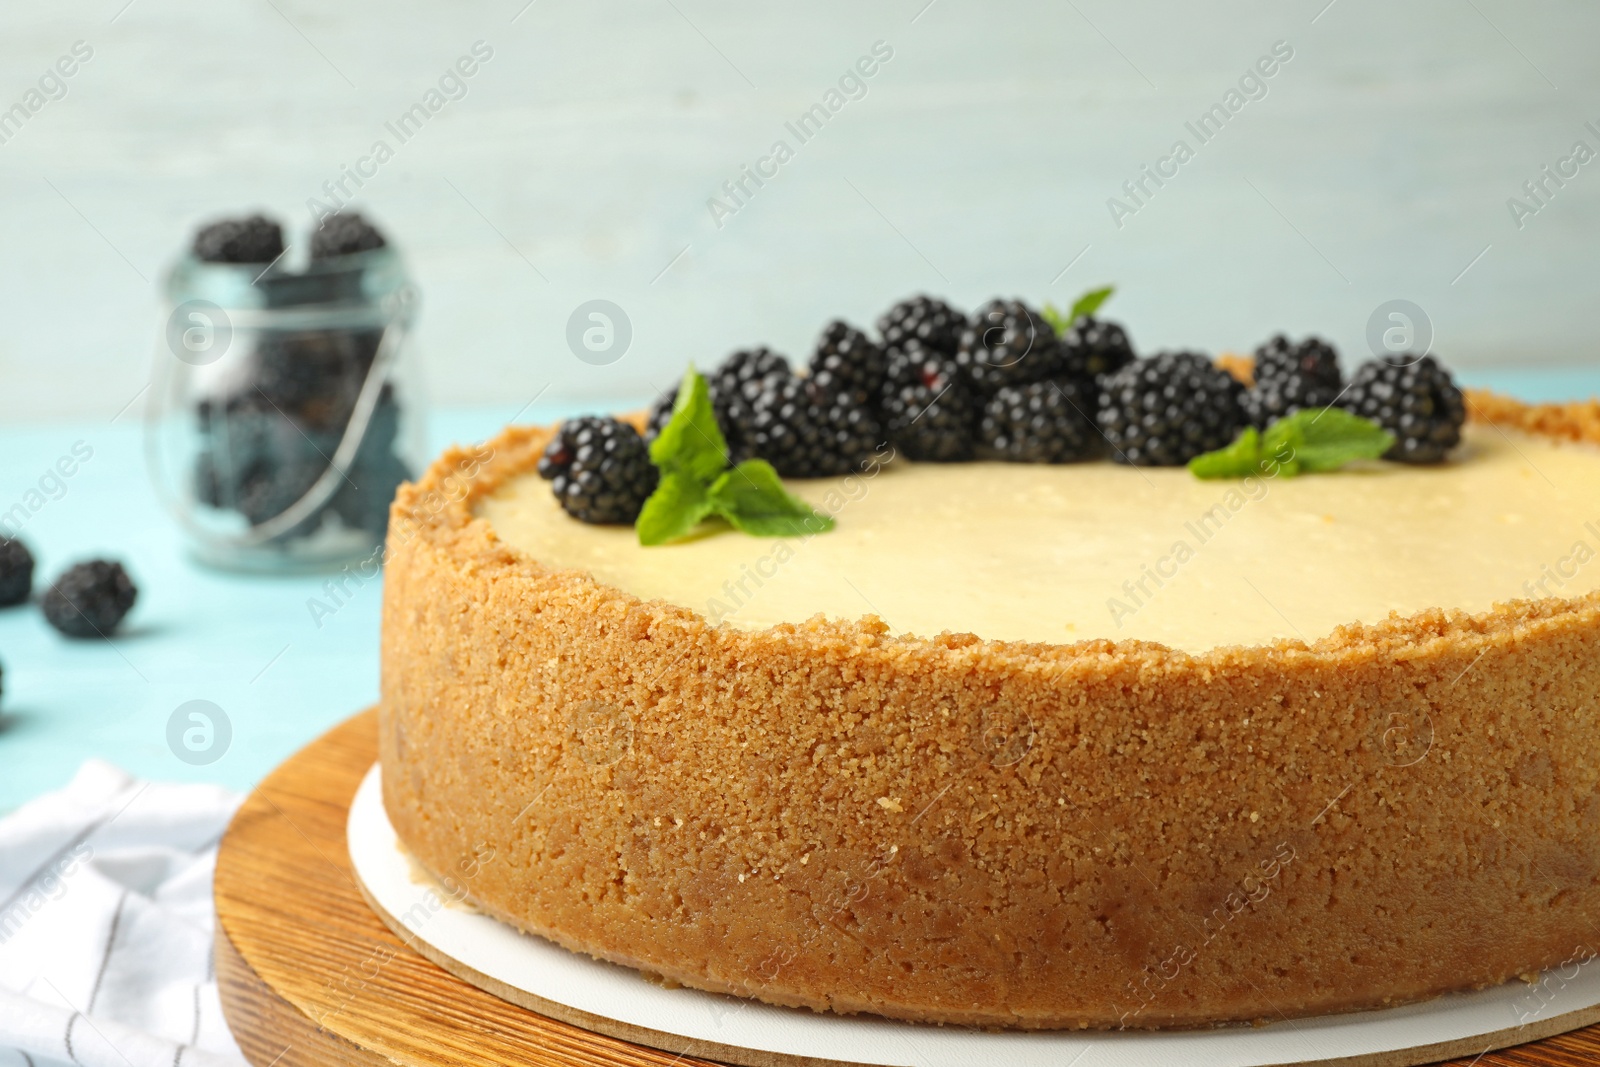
<point x="1099" y="550"/>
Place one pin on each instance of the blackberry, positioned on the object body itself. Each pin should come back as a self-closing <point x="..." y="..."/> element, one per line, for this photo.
<point x="256" y="239"/>
<point x="1044" y="422"/>
<point x="1313" y="359"/>
<point x="1092" y="347"/>
<point x="269" y="488"/>
<point x="1007" y="343"/>
<point x="1168" y="409"/>
<point x="255" y="459"/>
<point x="363" y="498"/>
<point x="89" y="599"/>
<point x="929" y="409"/>
<point x="314" y="377"/>
<point x="733" y="418"/>
<point x="729" y="384"/>
<point x="1414" y="398"/>
<point x="1290" y="377"/>
<point x="16" y="572"/>
<point x="748" y="366"/>
<point x="806" y="432"/>
<point x="661" y="414"/>
<point x="922" y="318"/>
<point x="344" y="233"/>
<point x="848" y="363"/>
<point x="363" y="502"/>
<point x="599" y="470"/>
<point x="733" y="386"/>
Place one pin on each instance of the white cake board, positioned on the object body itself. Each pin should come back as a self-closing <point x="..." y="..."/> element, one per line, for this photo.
<point x="617" y="1001"/>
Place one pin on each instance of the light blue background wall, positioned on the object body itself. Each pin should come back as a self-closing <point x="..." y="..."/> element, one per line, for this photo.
<point x="580" y="161"/>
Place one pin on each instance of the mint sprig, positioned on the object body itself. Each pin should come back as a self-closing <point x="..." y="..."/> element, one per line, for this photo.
<point x="753" y="500"/>
<point x="691" y="443"/>
<point x="696" y="484"/>
<point x="1084" y="306"/>
<point x="1242" y="458"/>
<point x="1308" y="442"/>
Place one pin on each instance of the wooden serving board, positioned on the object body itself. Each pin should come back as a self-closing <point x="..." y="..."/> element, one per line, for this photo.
<point x="310" y="976"/>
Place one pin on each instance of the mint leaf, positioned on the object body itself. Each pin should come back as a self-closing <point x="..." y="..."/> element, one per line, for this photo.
<point x="1090" y="302"/>
<point x="691" y="443"/>
<point x="1331" y="437"/>
<point x="1238" y="460"/>
<point x="677" y="506"/>
<point x="1059" y="322"/>
<point x="1307" y="442"/>
<point x="1280" y="448"/>
<point x="753" y="500"/>
<point x="1087" y="304"/>
<point x="695" y="483"/>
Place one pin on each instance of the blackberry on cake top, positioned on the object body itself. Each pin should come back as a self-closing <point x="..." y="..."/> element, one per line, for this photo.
<point x="1043" y="422"/>
<point x="599" y="469"/>
<point x="1168" y="409"/>
<point x="850" y="364"/>
<point x="805" y="431"/>
<point x="1292" y="376"/>
<point x="1413" y="397"/>
<point x="742" y="371"/>
<point x="748" y="367"/>
<point x="1007" y="343"/>
<point x="1092" y="347"/>
<point x="930" y="411"/>
<point x="925" y="319"/>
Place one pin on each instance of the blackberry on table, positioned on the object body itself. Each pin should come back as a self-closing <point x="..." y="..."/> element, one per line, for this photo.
<point x="1043" y="422"/>
<point x="1416" y="399"/>
<point x="16" y="572"/>
<point x="1092" y="347"/>
<point x="1007" y="343"/>
<point x="344" y="233"/>
<point x="925" y="319"/>
<point x="804" y="431"/>
<point x="1290" y="377"/>
<point x="89" y="599"/>
<point x="1165" y="410"/>
<point x="599" y="469"/>
<point x="849" y="363"/>
<point x="256" y="239"/>
<point x="929" y="410"/>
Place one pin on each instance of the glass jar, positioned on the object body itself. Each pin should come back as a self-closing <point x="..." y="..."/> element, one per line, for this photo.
<point x="284" y="409"/>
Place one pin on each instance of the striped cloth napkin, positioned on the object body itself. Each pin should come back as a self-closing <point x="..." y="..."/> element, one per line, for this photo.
<point x="105" y="925"/>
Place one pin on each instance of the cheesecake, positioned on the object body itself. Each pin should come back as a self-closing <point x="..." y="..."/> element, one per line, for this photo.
<point x="1079" y="745"/>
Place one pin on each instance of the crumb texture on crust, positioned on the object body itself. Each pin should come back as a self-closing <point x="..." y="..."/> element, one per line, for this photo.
<point x="1001" y="834"/>
<point x="1574" y="421"/>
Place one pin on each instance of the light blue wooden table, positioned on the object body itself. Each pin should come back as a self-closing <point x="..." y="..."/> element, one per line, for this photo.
<point x="249" y="645"/>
